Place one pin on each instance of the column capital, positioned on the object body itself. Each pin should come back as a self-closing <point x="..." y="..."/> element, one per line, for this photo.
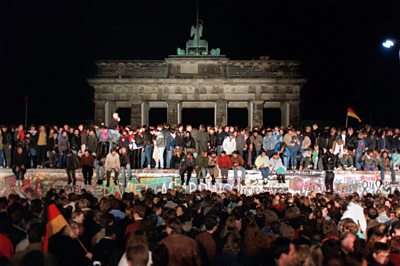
<point x="221" y="101"/>
<point x="173" y="101"/>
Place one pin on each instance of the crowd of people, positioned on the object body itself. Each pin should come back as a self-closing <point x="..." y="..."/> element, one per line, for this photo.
<point x="112" y="152"/>
<point x="203" y="228"/>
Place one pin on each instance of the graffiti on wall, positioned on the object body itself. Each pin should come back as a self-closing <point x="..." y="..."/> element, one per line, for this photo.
<point x="37" y="183"/>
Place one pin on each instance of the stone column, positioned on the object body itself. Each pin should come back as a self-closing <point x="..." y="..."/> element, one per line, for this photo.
<point x="144" y="114"/>
<point x="99" y="111"/>
<point x="109" y="108"/>
<point x="136" y="114"/>
<point x="250" y="114"/>
<point x="221" y="113"/>
<point x="172" y="112"/>
<point x="294" y="112"/>
<point x="179" y="112"/>
<point x="285" y="115"/>
<point x="257" y="119"/>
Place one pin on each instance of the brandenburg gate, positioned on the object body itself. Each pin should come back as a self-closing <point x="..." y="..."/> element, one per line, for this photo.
<point x="197" y="78"/>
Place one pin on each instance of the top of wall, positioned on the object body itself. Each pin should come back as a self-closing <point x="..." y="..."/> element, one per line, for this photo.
<point x="198" y="67"/>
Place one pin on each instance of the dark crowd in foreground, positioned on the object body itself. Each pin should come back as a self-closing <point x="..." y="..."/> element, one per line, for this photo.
<point x="203" y="228"/>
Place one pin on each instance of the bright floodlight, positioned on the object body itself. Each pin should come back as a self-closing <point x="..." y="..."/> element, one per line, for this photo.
<point x="388" y="44"/>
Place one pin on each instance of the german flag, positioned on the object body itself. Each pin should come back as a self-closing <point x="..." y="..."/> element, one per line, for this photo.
<point x="55" y="223"/>
<point x="351" y="113"/>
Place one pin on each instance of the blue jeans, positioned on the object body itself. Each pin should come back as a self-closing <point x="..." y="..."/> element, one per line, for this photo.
<point x="147" y="154"/>
<point x="99" y="170"/>
<point x="358" y="161"/>
<point x="169" y="157"/>
<point x="264" y="172"/>
<point x="126" y="170"/>
<point x="1" y="158"/>
<point x="286" y="161"/>
<point x="142" y="158"/>
<point x="293" y="158"/>
<point x="161" y="153"/>
<point x="392" y="174"/>
<point x="201" y="173"/>
<point x="219" y="149"/>
<point x="258" y="151"/>
<point x="241" y="168"/>
<point x="62" y="163"/>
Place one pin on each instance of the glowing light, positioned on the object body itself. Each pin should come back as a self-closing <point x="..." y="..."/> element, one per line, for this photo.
<point x="388" y="44"/>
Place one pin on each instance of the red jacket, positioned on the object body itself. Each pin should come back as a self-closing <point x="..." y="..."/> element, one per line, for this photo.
<point x="395" y="258"/>
<point x="133" y="227"/>
<point x="6" y="247"/>
<point x="224" y="162"/>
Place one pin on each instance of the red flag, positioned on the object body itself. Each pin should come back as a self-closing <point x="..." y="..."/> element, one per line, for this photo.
<point x="351" y="113"/>
<point x="55" y="223"/>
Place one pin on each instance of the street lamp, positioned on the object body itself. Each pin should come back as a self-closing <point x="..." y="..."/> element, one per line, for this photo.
<point x="389" y="44"/>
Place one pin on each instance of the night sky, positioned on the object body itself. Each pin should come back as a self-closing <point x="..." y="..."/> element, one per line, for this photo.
<point x="48" y="49"/>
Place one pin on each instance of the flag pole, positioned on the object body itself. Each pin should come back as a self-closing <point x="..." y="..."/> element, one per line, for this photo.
<point x="77" y="238"/>
<point x="26" y="110"/>
<point x="347" y="118"/>
<point x="83" y="246"/>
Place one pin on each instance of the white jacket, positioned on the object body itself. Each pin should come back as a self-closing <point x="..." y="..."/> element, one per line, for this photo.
<point x="124" y="261"/>
<point x="356" y="213"/>
<point x="229" y="146"/>
<point x="275" y="164"/>
<point x="112" y="162"/>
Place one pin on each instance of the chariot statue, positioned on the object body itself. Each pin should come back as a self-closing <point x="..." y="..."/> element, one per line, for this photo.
<point x="197" y="46"/>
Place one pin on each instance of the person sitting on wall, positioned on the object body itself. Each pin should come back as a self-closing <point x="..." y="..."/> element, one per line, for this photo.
<point x="201" y="166"/>
<point x="237" y="165"/>
<point x="306" y="160"/>
<point x="347" y="159"/>
<point x="385" y="165"/>
<point x="224" y="164"/>
<point x="177" y="158"/>
<point x="19" y="164"/>
<point x="186" y="166"/>
<point x="112" y="163"/>
<point x="212" y="167"/>
<point x="369" y="162"/>
<point x="87" y="165"/>
<point x="262" y="164"/>
<point x="276" y="166"/>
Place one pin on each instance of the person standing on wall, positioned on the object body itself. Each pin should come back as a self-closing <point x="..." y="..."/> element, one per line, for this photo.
<point x="329" y="162"/>
<point x="72" y="163"/>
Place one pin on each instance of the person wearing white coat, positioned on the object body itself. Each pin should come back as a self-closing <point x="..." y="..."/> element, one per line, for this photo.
<point x="229" y="145"/>
<point x="356" y="213"/>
